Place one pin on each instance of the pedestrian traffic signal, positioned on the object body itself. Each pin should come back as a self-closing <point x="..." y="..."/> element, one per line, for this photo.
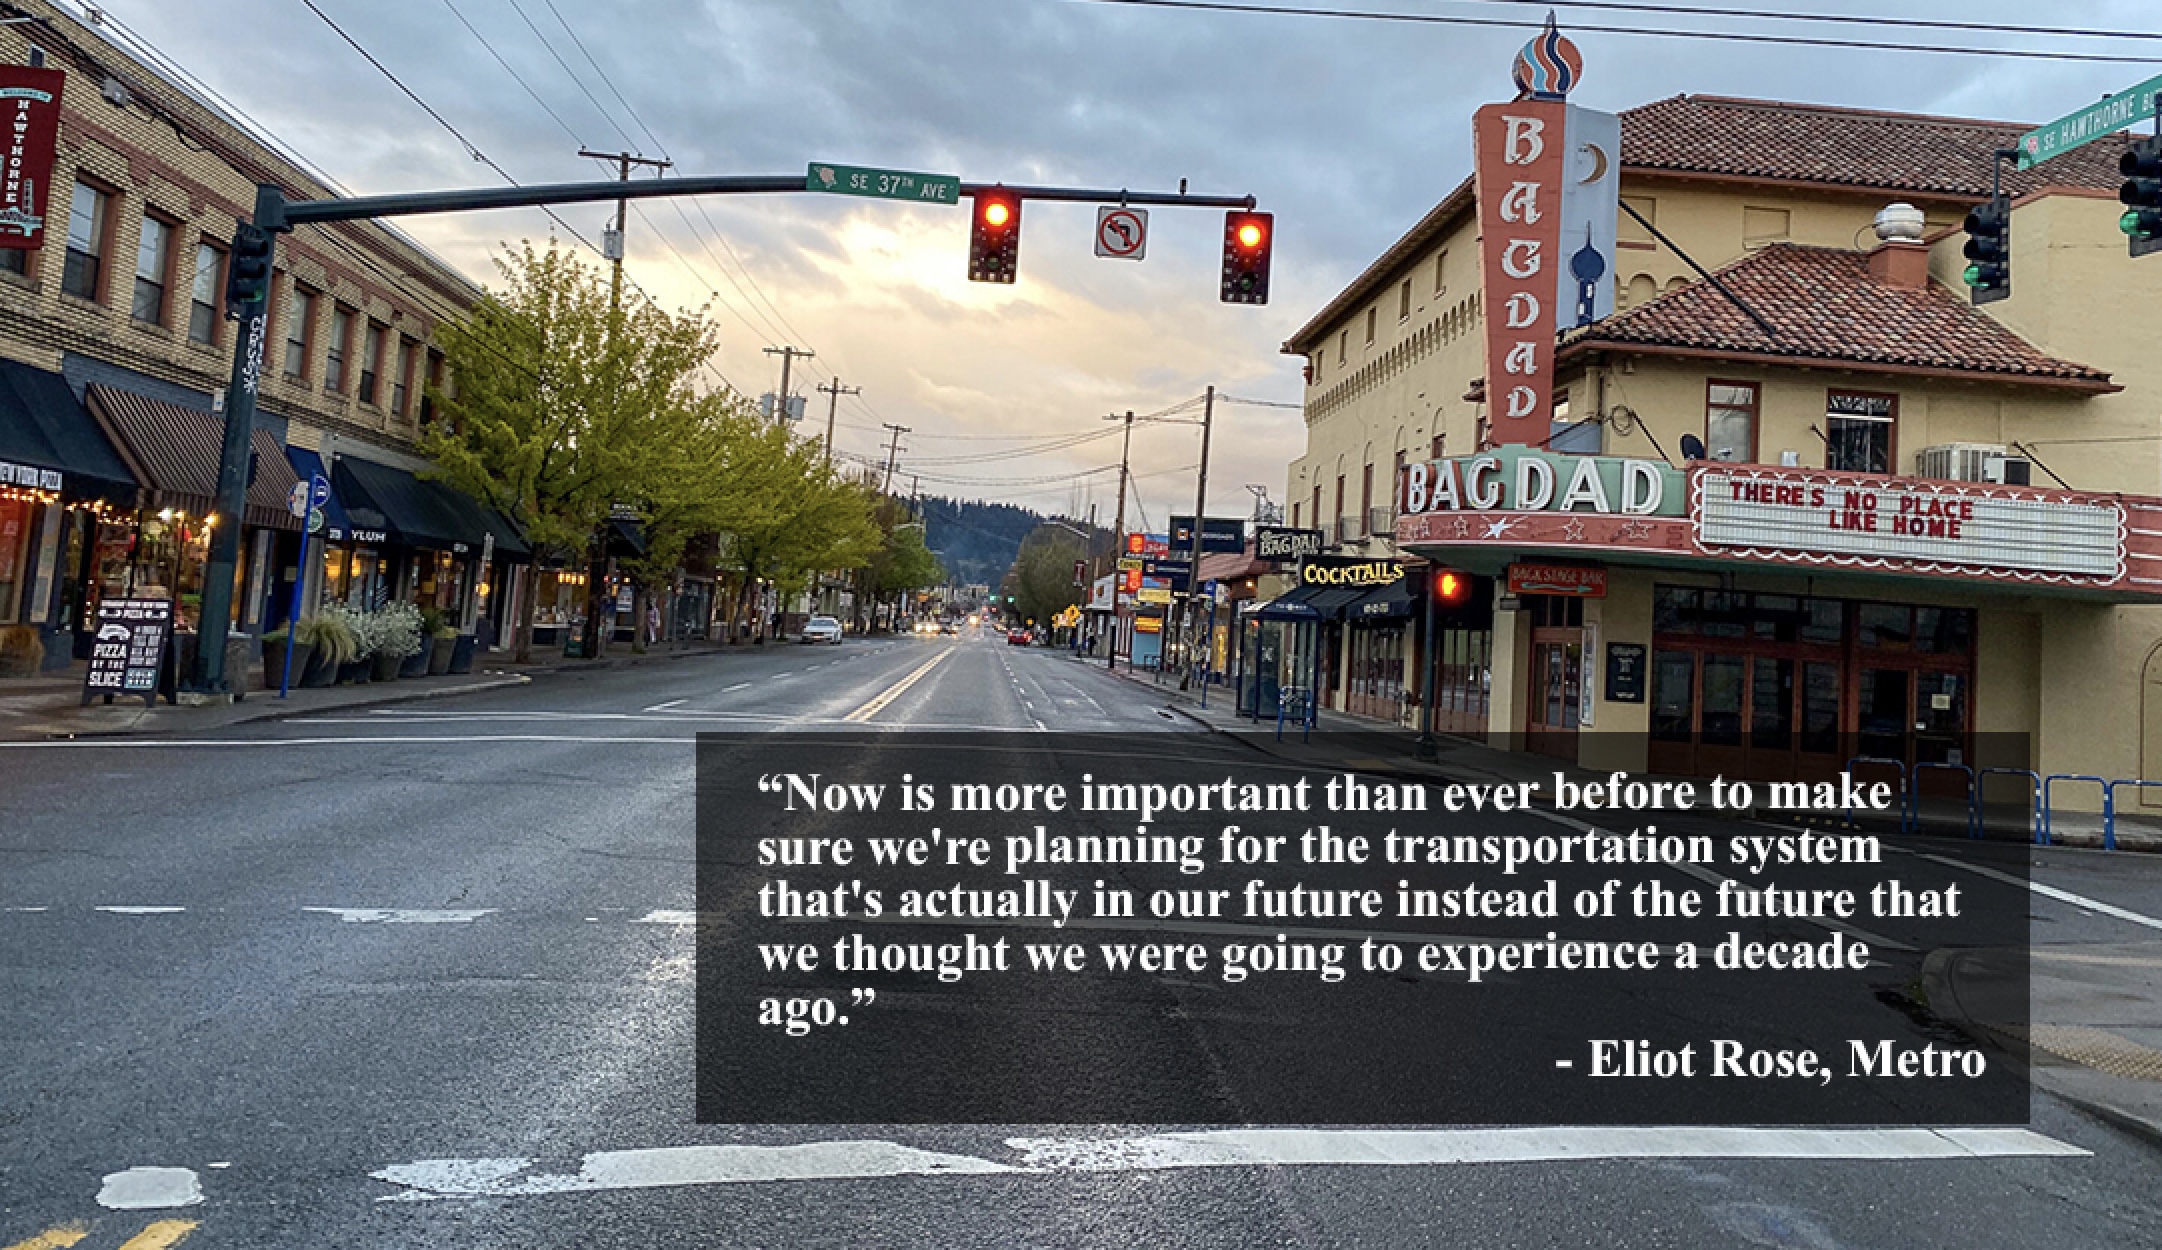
<point x="2141" y="166"/>
<point x="994" y="239"/>
<point x="1989" y="249"/>
<point x="1247" y="238"/>
<point x="247" y="274"/>
<point x="1451" y="588"/>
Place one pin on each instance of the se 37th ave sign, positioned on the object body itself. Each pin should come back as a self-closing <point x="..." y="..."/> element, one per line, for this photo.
<point x="1122" y="233"/>
<point x="884" y="184"/>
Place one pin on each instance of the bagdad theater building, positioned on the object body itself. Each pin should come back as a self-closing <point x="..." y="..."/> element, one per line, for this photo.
<point x="1823" y="506"/>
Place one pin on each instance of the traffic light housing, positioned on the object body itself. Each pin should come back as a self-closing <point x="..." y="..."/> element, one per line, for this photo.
<point x="994" y="237"/>
<point x="2141" y="194"/>
<point x="1247" y="239"/>
<point x="1451" y="589"/>
<point x="247" y="272"/>
<point x="1989" y="249"/>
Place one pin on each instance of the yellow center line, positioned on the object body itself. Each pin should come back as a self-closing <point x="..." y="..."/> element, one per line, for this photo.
<point x="57" y="1238"/>
<point x="897" y="689"/>
<point x="162" y="1235"/>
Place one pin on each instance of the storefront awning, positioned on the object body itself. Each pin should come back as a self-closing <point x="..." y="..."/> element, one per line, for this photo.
<point x="175" y="451"/>
<point x="1384" y="603"/>
<point x="1295" y="604"/>
<point x="48" y="442"/>
<point x="419" y="513"/>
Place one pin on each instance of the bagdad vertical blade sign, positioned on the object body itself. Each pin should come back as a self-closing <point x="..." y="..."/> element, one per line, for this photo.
<point x="30" y="115"/>
<point x="1547" y="188"/>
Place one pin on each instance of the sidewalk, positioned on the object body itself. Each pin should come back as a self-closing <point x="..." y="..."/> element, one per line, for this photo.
<point x="2094" y="1036"/>
<point x="38" y="708"/>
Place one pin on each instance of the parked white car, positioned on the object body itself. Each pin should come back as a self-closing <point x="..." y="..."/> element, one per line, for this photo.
<point x="822" y="629"/>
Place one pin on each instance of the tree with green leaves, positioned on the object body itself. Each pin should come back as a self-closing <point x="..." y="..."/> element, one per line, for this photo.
<point x="1041" y="580"/>
<point x="559" y="406"/>
<point x="785" y="514"/>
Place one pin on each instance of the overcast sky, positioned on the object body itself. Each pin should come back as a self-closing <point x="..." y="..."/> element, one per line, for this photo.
<point x="1347" y="130"/>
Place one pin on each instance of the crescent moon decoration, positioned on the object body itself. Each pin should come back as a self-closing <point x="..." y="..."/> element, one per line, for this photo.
<point x="1549" y="65"/>
<point x="1598" y="164"/>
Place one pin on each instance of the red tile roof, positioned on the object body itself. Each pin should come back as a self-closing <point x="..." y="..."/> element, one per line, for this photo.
<point x="1780" y="141"/>
<point x="1828" y="307"/>
<point x="1946" y="156"/>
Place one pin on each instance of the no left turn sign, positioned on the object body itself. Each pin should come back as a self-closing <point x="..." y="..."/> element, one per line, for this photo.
<point x="1122" y="233"/>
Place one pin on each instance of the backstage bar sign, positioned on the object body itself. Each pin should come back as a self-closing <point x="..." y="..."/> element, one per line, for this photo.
<point x="1851" y="521"/>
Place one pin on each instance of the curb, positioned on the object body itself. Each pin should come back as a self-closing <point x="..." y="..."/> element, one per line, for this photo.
<point x="278" y="713"/>
<point x="1942" y="1001"/>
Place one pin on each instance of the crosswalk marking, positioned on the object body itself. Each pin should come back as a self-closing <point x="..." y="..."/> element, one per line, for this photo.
<point x="57" y="1238"/>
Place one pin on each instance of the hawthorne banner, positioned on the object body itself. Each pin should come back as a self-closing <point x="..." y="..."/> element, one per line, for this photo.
<point x="30" y="105"/>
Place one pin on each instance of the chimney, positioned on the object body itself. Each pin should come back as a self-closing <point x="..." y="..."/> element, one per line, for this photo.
<point x="1900" y="258"/>
<point x="1898" y="262"/>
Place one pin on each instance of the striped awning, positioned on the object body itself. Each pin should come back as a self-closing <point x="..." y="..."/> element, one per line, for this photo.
<point x="174" y="452"/>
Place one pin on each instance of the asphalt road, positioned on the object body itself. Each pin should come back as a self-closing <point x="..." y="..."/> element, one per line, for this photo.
<point x="422" y="977"/>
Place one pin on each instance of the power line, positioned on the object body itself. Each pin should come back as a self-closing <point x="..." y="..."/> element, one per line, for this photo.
<point x="1439" y="19"/>
<point x="1850" y="19"/>
<point x="605" y="79"/>
<point x="610" y="122"/>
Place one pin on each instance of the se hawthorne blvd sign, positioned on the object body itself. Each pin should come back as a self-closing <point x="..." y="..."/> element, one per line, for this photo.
<point x="2106" y="117"/>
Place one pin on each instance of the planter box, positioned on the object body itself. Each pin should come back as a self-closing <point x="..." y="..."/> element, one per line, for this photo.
<point x="414" y="665"/>
<point x="274" y="662"/>
<point x="320" y="671"/>
<point x="439" y="653"/>
<point x="461" y="655"/>
<point x="355" y="673"/>
<point x="384" y="668"/>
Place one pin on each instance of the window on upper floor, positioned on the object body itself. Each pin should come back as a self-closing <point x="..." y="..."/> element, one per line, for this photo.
<point x="402" y="379"/>
<point x="341" y="342"/>
<point x="1568" y="435"/>
<point x="1441" y="271"/>
<point x="15" y="260"/>
<point x="1434" y="451"/>
<point x="1294" y="516"/>
<point x="299" y="330"/>
<point x="1403" y="301"/>
<point x="1373" y="319"/>
<point x="1730" y="421"/>
<point x="1858" y="431"/>
<point x="1765" y="225"/>
<point x="1343" y="346"/>
<point x="371" y="362"/>
<point x="88" y="224"/>
<point x="153" y="260"/>
<point x="203" y="294"/>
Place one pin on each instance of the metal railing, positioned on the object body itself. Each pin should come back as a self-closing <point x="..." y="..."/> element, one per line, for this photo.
<point x="1295" y="703"/>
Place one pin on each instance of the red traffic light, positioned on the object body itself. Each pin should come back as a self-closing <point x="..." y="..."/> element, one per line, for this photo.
<point x="1246" y="257"/>
<point x="994" y="237"/>
<point x="1451" y="588"/>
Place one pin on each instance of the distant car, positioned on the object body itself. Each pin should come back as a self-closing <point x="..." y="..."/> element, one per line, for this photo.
<point x="1017" y="638"/>
<point x="822" y="629"/>
<point x="948" y="627"/>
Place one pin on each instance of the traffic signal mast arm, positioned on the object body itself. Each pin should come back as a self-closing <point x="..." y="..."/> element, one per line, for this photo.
<point x="285" y="214"/>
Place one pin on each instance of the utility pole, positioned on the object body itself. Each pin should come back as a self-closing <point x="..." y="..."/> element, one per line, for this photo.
<point x="596" y="639"/>
<point x="788" y="357"/>
<point x="833" y="405"/>
<point x="893" y="451"/>
<point x="1118" y="537"/>
<point x="1193" y="569"/>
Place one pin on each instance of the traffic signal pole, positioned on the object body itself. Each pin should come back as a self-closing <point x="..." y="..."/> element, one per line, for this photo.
<point x="1118" y="541"/>
<point x="276" y="214"/>
<point x="1193" y="568"/>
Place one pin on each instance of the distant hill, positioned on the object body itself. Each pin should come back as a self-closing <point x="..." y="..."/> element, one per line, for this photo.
<point x="976" y="540"/>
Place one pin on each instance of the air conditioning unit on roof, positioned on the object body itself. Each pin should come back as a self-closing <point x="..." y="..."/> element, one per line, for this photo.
<point x="1972" y="462"/>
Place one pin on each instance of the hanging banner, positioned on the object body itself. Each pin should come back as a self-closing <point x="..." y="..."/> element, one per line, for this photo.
<point x="1590" y="207"/>
<point x="30" y="112"/>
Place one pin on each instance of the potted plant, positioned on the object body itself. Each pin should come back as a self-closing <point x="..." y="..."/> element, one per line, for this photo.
<point x="22" y="651"/>
<point x="461" y="653"/>
<point x="397" y="636"/>
<point x="274" y="662"/>
<point x="353" y="628"/>
<point x="444" y="645"/>
<point x="333" y="645"/>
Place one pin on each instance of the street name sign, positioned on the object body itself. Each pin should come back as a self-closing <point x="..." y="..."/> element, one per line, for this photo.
<point x="2106" y="117"/>
<point x="884" y="184"/>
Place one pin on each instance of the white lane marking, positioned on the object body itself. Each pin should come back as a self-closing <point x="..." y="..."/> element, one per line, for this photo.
<point x="403" y="915"/>
<point x="778" y="676"/>
<point x="24" y="909"/>
<point x="1704" y="874"/>
<point x="2050" y="891"/>
<point x="668" y="1167"/>
<point x="117" y="744"/>
<point x="741" y="685"/>
<point x="142" y="911"/>
<point x="1432" y="1147"/>
<point x="662" y="707"/>
<point x="150" y="1189"/>
<point x="667" y="917"/>
<point x="675" y="1166"/>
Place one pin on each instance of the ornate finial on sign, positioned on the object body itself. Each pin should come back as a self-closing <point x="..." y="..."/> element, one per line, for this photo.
<point x="1548" y="66"/>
